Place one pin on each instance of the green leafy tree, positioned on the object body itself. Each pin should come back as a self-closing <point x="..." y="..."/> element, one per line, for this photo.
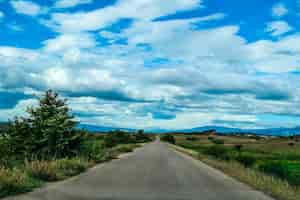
<point x="48" y="132"/>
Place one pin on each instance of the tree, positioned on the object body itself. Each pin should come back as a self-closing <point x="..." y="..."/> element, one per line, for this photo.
<point x="168" y="138"/>
<point x="49" y="131"/>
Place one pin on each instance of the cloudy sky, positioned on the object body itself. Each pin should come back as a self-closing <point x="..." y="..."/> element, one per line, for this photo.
<point x="155" y="64"/>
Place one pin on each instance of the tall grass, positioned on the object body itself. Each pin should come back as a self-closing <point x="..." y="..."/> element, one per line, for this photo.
<point x="271" y="185"/>
<point x="57" y="169"/>
<point x="15" y="181"/>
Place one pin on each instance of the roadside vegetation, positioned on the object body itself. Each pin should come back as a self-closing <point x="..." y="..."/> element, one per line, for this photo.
<point x="270" y="164"/>
<point x="46" y="146"/>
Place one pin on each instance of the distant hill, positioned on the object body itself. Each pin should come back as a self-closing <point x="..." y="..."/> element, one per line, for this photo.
<point x="271" y="131"/>
<point x="94" y="128"/>
<point x="219" y="129"/>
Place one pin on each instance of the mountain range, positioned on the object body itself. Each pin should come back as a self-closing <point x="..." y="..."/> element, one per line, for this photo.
<point x="219" y="129"/>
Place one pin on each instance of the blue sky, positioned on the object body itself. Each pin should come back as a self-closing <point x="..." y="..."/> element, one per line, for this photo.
<point x="155" y="64"/>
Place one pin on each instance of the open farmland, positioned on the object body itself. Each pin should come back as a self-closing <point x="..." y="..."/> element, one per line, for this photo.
<point x="277" y="157"/>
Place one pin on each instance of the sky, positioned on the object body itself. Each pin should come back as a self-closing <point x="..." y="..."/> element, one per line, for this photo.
<point x="171" y="64"/>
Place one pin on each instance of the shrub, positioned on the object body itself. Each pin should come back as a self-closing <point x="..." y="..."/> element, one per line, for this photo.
<point x="246" y="160"/>
<point x="93" y="150"/>
<point x="291" y="144"/>
<point x="117" y="137"/>
<point x="218" y="141"/>
<point x="141" y="137"/>
<point x="210" y="138"/>
<point x="238" y="147"/>
<point x="191" y="138"/>
<point x="278" y="168"/>
<point x="168" y="138"/>
<point x="15" y="181"/>
<point x="283" y="169"/>
<point x="218" y="151"/>
<point x="48" y="132"/>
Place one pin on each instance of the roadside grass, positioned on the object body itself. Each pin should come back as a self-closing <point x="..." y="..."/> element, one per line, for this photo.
<point x="57" y="169"/>
<point x="15" y="181"/>
<point x="47" y="145"/>
<point x="234" y="163"/>
<point x="125" y="148"/>
<point x="32" y="174"/>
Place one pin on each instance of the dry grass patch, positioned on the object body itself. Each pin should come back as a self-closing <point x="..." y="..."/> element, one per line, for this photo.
<point x="57" y="169"/>
<point x="15" y="181"/>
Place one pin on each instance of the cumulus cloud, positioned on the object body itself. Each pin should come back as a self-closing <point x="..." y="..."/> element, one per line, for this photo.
<point x="279" y="10"/>
<point x="277" y="28"/>
<point x="69" y="41"/>
<point x="96" y="19"/>
<point x="27" y="7"/>
<point x="208" y="75"/>
<point x="71" y="3"/>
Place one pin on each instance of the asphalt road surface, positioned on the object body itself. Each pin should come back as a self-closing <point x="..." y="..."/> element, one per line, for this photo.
<point x="153" y="172"/>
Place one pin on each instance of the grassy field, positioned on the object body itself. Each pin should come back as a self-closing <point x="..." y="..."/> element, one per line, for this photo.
<point x="271" y="164"/>
<point x="25" y="176"/>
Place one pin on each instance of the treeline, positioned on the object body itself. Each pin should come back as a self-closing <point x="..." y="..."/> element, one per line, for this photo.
<point x="48" y="132"/>
<point x="46" y="146"/>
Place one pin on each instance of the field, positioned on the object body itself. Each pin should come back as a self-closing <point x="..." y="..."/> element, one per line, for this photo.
<point x="273" y="162"/>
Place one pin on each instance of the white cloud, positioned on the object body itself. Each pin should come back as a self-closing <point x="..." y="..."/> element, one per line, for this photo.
<point x="279" y="10"/>
<point x="99" y="18"/>
<point x="69" y="41"/>
<point x="195" y="86"/>
<point x="71" y="3"/>
<point x="27" y="7"/>
<point x="18" y="110"/>
<point x="278" y="28"/>
<point x="276" y="57"/>
<point x="81" y="81"/>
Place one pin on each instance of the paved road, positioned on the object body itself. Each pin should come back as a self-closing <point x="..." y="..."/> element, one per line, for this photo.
<point x="154" y="172"/>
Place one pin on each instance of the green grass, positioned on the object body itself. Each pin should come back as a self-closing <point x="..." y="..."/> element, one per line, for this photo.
<point x="57" y="169"/>
<point x="270" y="165"/>
<point x="32" y="174"/>
<point x="16" y="181"/>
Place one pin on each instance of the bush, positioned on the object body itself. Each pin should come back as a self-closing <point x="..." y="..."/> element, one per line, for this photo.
<point x="191" y="138"/>
<point x="218" y="141"/>
<point x="286" y="170"/>
<point x="246" y="160"/>
<point x="238" y="147"/>
<point x="210" y="138"/>
<point x="15" y="181"/>
<point x="141" y="137"/>
<point x="291" y="144"/>
<point x="218" y="151"/>
<point x="117" y="137"/>
<point x="93" y="150"/>
<point x="48" y="132"/>
<point x="168" y="138"/>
